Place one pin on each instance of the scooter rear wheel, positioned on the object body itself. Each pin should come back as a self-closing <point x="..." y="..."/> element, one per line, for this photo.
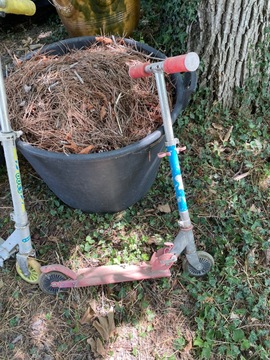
<point x="46" y="279"/>
<point x="34" y="271"/>
<point x="206" y="260"/>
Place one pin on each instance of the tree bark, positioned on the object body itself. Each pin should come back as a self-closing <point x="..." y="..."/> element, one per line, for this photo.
<point x="227" y="35"/>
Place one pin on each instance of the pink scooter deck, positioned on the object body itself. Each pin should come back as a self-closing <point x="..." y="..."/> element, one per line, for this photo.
<point x="159" y="266"/>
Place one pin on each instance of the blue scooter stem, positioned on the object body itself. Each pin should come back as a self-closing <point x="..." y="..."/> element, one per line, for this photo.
<point x="184" y="241"/>
<point x="171" y="143"/>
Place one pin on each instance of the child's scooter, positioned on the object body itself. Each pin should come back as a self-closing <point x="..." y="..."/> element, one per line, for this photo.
<point x="57" y="277"/>
<point x="19" y="241"/>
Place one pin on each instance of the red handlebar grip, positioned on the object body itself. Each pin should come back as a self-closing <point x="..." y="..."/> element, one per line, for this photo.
<point x="181" y="63"/>
<point x="138" y="71"/>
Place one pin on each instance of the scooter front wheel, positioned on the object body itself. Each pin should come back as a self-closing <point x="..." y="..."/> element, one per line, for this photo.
<point x="34" y="271"/>
<point x="205" y="259"/>
<point x="46" y="280"/>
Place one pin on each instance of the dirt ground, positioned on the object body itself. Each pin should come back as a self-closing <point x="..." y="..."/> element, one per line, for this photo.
<point x="144" y="320"/>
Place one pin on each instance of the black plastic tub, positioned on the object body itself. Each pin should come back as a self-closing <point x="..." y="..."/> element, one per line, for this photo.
<point x="111" y="181"/>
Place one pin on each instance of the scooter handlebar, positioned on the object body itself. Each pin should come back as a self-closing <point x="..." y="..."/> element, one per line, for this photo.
<point x="181" y="63"/>
<point x="18" y="7"/>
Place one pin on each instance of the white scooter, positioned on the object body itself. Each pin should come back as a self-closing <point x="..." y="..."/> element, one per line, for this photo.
<point x="19" y="242"/>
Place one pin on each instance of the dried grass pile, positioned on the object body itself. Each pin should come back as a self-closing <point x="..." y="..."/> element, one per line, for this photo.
<point x="83" y="101"/>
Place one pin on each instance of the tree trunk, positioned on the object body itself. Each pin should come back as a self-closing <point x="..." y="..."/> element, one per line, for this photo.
<point x="228" y="35"/>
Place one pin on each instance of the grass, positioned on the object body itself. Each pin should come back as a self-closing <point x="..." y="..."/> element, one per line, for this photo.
<point x="232" y="216"/>
<point x="222" y="316"/>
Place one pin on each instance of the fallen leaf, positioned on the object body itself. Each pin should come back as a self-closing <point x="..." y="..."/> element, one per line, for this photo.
<point x="102" y="113"/>
<point x="111" y="321"/>
<point x="93" y="305"/>
<point x="254" y="209"/>
<point x="102" y="329"/>
<point x="96" y="347"/>
<point x="90" y="313"/>
<point x="104" y="40"/>
<point x="87" y="149"/>
<point x="234" y="316"/>
<point x="228" y="135"/>
<point x="209" y="300"/>
<point x="105" y="325"/>
<point x="38" y="324"/>
<point x="241" y="176"/>
<point x="164" y="208"/>
<point x="44" y="34"/>
<point x="93" y="345"/>
<point x="27" y="42"/>
<point x="264" y="184"/>
<point x="53" y="239"/>
<point x="220" y="149"/>
<point x="86" y="106"/>
<point x="251" y="257"/>
<point x="217" y="126"/>
<point x="100" y="348"/>
<point x="267" y="256"/>
<point x="188" y="347"/>
<point x="87" y="317"/>
<point x="91" y="342"/>
<point x="38" y="327"/>
<point x="154" y="240"/>
<point x="35" y="46"/>
<point x="72" y="145"/>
